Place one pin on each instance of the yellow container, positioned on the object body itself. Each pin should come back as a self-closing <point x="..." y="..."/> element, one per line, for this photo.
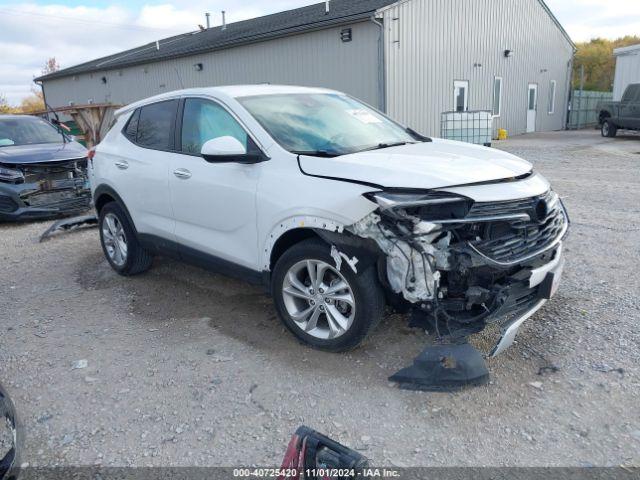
<point x="502" y="134"/>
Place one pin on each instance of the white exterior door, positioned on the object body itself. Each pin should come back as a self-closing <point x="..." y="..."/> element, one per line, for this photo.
<point x="460" y="96"/>
<point x="138" y="164"/>
<point x="532" y="107"/>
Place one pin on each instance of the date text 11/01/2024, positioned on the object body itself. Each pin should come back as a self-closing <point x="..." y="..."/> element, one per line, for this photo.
<point x="328" y="473"/>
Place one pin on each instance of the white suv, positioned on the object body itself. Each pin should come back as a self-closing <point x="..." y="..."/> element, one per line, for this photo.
<point x="337" y="209"/>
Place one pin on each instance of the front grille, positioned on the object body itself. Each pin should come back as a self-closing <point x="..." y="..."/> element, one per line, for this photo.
<point x="7" y="204"/>
<point x="62" y="201"/>
<point x="512" y="207"/>
<point x="522" y="239"/>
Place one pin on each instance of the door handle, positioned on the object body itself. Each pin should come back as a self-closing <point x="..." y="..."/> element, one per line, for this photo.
<point x="182" y="173"/>
<point x="122" y="165"/>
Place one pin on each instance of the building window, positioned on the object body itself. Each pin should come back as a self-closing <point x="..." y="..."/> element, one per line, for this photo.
<point x="497" y="96"/>
<point x="461" y="95"/>
<point x="552" y="97"/>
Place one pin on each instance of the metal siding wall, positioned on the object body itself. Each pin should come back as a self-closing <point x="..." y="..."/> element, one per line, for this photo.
<point x="627" y="71"/>
<point x="317" y="58"/>
<point x="431" y="43"/>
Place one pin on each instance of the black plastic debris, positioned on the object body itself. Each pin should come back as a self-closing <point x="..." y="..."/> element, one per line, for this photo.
<point x="69" y="224"/>
<point x="444" y="368"/>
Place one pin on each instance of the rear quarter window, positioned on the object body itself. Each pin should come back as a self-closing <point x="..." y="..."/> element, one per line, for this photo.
<point x="131" y="129"/>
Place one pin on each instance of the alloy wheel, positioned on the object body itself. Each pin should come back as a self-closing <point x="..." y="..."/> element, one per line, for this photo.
<point x="319" y="299"/>
<point x="115" y="240"/>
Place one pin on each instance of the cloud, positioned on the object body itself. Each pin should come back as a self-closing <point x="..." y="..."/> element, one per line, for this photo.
<point x="587" y="19"/>
<point x="30" y="33"/>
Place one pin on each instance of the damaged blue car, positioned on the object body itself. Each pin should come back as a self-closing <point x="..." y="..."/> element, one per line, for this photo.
<point x="43" y="171"/>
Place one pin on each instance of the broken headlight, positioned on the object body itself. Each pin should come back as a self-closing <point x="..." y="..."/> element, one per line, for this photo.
<point x="10" y="175"/>
<point x="429" y="206"/>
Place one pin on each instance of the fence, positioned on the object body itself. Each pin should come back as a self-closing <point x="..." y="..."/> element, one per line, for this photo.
<point x="471" y="126"/>
<point x="584" y="112"/>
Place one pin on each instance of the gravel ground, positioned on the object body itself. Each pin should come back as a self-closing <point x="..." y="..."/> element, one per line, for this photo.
<point x="6" y="438"/>
<point x="184" y="367"/>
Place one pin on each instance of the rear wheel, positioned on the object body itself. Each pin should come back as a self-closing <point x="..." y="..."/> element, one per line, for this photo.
<point x="120" y="244"/>
<point x="609" y="129"/>
<point x="329" y="308"/>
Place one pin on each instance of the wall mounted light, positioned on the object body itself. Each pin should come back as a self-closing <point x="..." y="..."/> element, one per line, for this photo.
<point x="104" y="80"/>
<point x="508" y="53"/>
<point x="198" y="67"/>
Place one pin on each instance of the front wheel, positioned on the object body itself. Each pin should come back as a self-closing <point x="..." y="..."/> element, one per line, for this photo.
<point x="326" y="307"/>
<point x="609" y="129"/>
<point x="119" y="242"/>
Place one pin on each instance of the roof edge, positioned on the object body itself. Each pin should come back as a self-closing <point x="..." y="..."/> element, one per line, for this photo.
<point x="321" y="25"/>
<point x="558" y="24"/>
<point x="625" y="50"/>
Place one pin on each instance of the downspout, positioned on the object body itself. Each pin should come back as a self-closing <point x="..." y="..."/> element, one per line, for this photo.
<point x="569" y="96"/>
<point x="382" y="78"/>
<point x="44" y="98"/>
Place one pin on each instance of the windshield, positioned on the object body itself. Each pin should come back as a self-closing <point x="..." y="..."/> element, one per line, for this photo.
<point x="27" y="131"/>
<point x="324" y="124"/>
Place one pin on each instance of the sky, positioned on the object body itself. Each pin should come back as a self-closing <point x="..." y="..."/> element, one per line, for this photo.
<point x="75" y="31"/>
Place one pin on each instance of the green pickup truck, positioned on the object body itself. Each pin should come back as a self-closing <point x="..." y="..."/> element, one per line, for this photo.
<point x="624" y="114"/>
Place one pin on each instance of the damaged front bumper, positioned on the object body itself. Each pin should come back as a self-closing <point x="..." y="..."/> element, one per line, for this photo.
<point x="45" y="190"/>
<point x="460" y="266"/>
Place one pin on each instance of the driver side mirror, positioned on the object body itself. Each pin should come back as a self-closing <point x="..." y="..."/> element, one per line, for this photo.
<point x="9" y="438"/>
<point x="228" y="150"/>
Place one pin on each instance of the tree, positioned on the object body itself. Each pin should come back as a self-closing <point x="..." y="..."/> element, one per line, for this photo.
<point x="35" y="101"/>
<point x="32" y="103"/>
<point x="599" y="63"/>
<point x="50" y="66"/>
<point x="5" y="107"/>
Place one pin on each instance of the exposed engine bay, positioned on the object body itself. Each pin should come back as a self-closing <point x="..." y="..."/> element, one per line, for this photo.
<point x="461" y="265"/>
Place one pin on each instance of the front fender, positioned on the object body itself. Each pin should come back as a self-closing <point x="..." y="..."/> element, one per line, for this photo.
<point x="292" y="223"/>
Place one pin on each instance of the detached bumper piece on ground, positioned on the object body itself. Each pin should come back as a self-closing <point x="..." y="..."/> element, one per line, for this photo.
<point x="444" y="368"/>
<point x="43" y="190"/>
<point x="69" y="224"/>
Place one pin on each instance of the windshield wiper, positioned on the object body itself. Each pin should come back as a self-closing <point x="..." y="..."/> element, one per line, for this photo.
<point x="317" y="153"/>
<point x="417" y="136"/>
<point x="380" y="146"/>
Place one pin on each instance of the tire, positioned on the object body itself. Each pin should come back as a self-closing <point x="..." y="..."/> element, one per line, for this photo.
<point x="133" y="259"/>
<point x="608" y="129"/>
<point x="364" y="291"/>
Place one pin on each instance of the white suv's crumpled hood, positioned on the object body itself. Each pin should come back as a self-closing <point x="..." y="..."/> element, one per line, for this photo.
<point x="437" y="164"/>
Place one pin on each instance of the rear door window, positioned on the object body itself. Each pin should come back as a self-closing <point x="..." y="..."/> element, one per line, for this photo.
<point x="156" y="125"/>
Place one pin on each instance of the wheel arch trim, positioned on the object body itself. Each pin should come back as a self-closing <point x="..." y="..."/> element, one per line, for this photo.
<point x="302" y="222"/>
<point x="102" y="190"/>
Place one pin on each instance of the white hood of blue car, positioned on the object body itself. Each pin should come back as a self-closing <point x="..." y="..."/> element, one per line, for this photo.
<point x="437" y="164"/>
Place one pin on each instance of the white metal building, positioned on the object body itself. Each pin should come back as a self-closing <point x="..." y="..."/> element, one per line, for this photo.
<point x="627" y="69"/>
<point x="413" y="59"/>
